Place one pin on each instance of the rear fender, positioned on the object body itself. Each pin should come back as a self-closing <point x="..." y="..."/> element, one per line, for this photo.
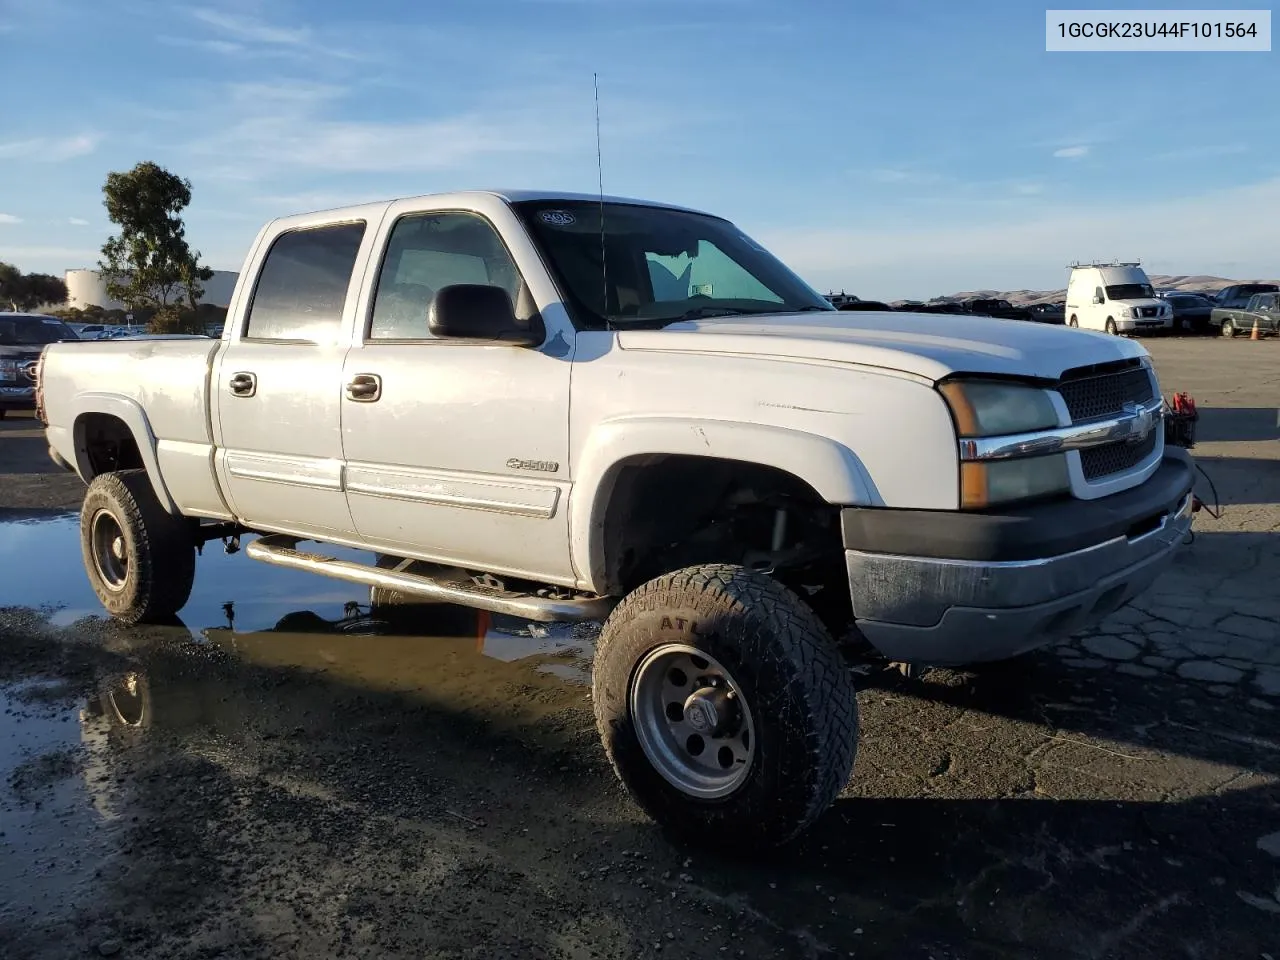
<point x="131" y="414"/>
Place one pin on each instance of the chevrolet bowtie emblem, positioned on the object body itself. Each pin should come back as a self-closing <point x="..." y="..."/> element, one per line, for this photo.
<point x="1140" y="423"/>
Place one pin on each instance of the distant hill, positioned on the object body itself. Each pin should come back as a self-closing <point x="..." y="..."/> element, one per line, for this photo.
<point x="1198" y="283"/>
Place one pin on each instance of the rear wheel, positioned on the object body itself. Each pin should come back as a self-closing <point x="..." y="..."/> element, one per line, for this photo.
<point x="141" y="559"/>
<point x="1228" y="329"/>
<point x="724" y="706"/>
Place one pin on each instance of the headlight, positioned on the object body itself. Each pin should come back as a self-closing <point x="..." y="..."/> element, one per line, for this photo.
<point x="988" y="408"/>
<point x="1007" y="481"/>
<point x="1126" y="312"/>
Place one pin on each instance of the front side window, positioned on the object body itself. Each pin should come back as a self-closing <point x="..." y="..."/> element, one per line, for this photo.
<point x="303" y="284"/>
<point x="651" y="266"/>
<point x="427" y="252"/>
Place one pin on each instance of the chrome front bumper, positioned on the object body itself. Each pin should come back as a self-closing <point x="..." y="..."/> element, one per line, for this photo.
<point x="951" y="612"/>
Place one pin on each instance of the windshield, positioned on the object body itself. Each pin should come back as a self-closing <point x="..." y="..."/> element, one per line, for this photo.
<point x="659" y="265"/>
<point x="33" y="331"/>
<point x="1130" y="291"/>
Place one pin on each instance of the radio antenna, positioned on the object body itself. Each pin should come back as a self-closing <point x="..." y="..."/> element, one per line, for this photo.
<point x="604" y="263"/>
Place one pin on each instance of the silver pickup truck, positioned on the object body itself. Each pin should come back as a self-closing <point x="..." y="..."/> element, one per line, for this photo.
<point x="568" y="408"/>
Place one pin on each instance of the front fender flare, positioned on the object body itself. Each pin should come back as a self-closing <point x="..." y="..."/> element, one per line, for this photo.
<point x="830" y="468"/>
<point x="129" y="412"/>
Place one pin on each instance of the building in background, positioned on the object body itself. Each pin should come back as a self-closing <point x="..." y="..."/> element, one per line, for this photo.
<point x="87" y="288"/>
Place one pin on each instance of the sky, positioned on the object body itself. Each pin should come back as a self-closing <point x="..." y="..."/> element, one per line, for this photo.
<point x="888" y="148"/>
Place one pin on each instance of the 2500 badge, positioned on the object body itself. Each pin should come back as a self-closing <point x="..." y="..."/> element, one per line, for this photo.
<point x="541" y="466"/>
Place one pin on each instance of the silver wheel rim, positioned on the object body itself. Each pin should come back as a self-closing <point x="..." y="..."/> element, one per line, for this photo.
<point x="692" y="721"/>
<point x="110" y="551"/>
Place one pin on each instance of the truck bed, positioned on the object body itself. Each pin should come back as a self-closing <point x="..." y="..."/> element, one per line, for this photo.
<point x="159" y="385"/>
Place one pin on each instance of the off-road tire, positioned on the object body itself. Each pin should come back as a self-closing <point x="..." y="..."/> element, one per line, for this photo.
<point x="799" y="690"/>
<point x="161" y="549"/>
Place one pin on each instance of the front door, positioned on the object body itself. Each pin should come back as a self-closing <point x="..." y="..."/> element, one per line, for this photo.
<point x="278" y="387"/>
<point x="457" y="451"/>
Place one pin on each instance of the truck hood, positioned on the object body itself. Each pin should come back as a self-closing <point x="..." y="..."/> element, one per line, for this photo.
<point x="927" y="345"/>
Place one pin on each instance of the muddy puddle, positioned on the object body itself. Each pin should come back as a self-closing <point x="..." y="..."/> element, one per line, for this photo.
<point x="235" y="597"/>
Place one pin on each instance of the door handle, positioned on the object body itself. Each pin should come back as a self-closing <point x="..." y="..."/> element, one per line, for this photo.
<point x="365" y="387"/>
<point x="243" y="384"/>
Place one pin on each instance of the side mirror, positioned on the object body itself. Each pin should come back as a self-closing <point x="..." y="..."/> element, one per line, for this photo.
<point x="1097" y="299"/>
<point x="476" y="311"/>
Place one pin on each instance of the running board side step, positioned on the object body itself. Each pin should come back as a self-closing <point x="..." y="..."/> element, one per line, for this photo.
<point x="281" y="551"/>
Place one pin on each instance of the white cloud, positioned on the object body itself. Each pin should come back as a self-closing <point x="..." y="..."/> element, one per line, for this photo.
<point x="1079" y="150"/>
<point x="1028" y="189"/>
<point x="902" y="175"/>
<point x="77" y="222"/>
<point x="226" y="47"/>
<point x="9" y="218"/>
<point x="49" y="150"/>
<point x="1207" y="150"/>
<point x="1181" y="235"/>
<point x="49" y="259"/>
<point x="254" y="32"/>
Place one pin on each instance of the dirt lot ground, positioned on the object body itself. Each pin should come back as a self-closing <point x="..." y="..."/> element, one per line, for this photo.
<point x="279" y="775"/>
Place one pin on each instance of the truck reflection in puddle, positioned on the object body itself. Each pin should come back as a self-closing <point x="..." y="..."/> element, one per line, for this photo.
<point x="497" y="668"/>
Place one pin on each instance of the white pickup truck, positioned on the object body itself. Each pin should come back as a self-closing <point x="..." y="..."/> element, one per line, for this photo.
<point x="568" y="407"/>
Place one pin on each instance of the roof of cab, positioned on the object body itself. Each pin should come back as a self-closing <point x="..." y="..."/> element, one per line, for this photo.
<point x="510" y="196"/>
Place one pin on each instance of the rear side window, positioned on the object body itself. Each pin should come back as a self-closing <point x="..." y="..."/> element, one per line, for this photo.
<point x="303" y="284"/>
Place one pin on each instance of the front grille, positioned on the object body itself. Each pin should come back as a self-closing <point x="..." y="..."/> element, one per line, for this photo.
<point x="1116" y="457"/>
<point x="1148" y="311"/>
<point x="1097" y="395"/>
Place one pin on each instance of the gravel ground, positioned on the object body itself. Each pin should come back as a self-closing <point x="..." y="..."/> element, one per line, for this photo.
<point x="277" y="774"/>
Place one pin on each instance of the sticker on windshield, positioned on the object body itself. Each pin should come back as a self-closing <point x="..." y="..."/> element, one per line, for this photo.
<point x="558" y="218"/>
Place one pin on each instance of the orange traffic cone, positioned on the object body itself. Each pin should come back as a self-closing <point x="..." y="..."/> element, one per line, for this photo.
<point x="1254" y="335"/>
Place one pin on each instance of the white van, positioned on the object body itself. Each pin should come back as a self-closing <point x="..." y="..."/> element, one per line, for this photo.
<point x="1115" y="297"/>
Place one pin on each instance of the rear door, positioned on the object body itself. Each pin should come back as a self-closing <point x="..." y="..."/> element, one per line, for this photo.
<point x="277" y="389"/>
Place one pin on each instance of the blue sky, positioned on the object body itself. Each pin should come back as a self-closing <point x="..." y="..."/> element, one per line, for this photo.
<point x="893" y="149"/>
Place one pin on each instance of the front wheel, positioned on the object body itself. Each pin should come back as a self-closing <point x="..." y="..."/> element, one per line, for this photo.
<point x="1111" y="327"/>
<point x="141" y="559"/>
<point x="724" y="706"/>
<point x="1073" y="322"/>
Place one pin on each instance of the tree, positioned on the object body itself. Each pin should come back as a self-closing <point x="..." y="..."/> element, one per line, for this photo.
<point x="149" y="264"/>
<point x="26" y="291"/>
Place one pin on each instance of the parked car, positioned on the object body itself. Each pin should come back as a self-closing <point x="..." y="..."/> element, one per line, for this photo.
<point x="1049" y="312"/>
<point x="1237" y="295"/>
<point x="991" y="307"/>
<point x="1263" y="309"/>
<point x="22" y="337"/>
<point x="1116" y="298"/>
<point x="864" y="305"/>
<point x="1190" y="311"/>
<point x="679" y="445"/>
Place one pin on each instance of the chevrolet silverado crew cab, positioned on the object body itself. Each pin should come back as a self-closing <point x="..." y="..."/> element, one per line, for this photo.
<point x="565" y="407"/>
<point x="1116" y="298"/>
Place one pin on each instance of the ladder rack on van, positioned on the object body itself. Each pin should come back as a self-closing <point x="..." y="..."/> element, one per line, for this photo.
<point x="1099" y="263"/>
